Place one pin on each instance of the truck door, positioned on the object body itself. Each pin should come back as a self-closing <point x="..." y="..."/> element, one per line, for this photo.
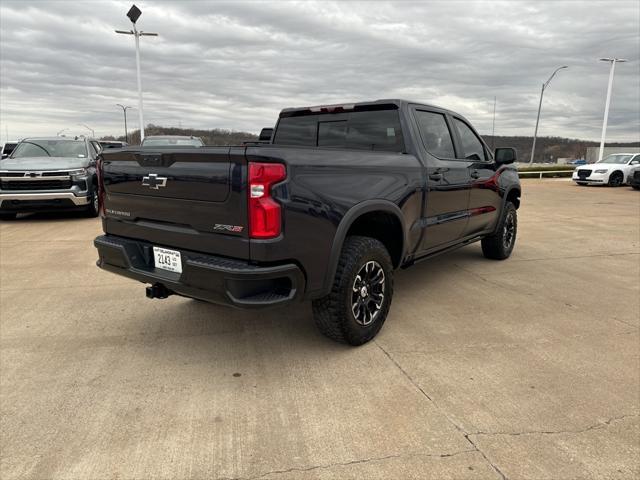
<point x="484" y="197"/>
<point x="447" y="178"/>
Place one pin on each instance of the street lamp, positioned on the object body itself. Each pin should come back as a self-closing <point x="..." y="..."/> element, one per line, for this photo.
<point x="133" y="14"/>
<point x="61" y="131"/>
<point x="544" y="86"/>
<point x="124" y="110"/>
<point x="93" y="133"/>
<point x="606" y="106"/>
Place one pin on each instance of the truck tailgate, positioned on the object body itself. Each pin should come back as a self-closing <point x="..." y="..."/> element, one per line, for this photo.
<point x="193" y="199"/>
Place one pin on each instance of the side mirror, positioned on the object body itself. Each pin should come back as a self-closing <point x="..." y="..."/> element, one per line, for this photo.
<point x="505" y="155"/>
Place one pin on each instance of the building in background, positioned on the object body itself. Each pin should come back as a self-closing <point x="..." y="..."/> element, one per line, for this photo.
<point x="592" y="152"/>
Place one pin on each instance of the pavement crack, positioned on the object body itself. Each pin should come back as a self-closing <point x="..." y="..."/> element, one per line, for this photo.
<point x="493" y="465"/>
<point x="351" y="462"/>
<point x="455" y="424"/>
<point x="595" y="426"/>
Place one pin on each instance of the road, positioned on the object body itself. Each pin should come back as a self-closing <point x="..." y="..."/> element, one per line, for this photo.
<point x="526" y="368"/>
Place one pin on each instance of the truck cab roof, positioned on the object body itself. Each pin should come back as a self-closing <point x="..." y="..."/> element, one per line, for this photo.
<point x="381" y="104"/>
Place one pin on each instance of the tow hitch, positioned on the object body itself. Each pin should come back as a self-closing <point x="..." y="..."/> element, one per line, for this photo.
<point x="158" y="290"/>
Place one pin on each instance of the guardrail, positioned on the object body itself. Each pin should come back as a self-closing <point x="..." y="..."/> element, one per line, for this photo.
<point x="540" y="173"/>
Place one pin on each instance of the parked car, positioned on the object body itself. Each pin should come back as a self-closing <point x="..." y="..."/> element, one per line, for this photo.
<point x="341" y="197"/>
<point x="7" y="148"/>
<point x="634" y="178"/>
<point x="612" y="170"/>
<point x="112" y="144"/>
<point x="172" y="141"/>
<point x="45" y="174"/>
<point x="579" y="161"/>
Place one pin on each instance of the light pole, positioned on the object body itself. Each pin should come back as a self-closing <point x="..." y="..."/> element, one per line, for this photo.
<point x="61" y="131"/>
<point x="544" y="86"/>
<point x="93" y="133"/>
<point x="124" y="110"/>
<point x="133" y="14"/>
<point x="606" y="105"/>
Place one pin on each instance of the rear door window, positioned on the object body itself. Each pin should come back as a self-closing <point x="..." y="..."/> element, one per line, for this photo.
<point x="435" y="134"/>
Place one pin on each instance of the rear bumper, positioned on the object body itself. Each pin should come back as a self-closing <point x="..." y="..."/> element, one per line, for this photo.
<point x="29" y="201"/>
<point x="206" y="277"/>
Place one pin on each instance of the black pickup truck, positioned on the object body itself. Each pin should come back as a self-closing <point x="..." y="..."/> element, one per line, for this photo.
<point x="341" y="197"/>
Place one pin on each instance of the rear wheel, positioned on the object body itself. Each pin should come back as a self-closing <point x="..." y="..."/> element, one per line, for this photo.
<point x="500" y="245"/>
<point x="616" y="179"/>
<point x="636" y="187"/>
<point x="8" y="216"/>
<point x="360" y="297"/>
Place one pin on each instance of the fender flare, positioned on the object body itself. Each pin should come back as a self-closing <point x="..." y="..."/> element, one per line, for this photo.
<point x="508" y="191"/>
<point x="341" y="233"/>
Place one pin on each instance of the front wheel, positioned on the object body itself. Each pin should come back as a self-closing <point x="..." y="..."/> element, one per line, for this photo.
<point x="616" y="179"/>
<point x="635" y="187"/>
<point x="500" y="245"/>
<point x="360" y="297"/>
<point x="7" y="216"/>
<point x="93" y="207"/>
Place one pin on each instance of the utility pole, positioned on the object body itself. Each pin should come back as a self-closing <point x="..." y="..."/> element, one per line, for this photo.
<point x="544" y="86"/>
<point x="493" y="128"/>
<point x="93" y="133"/>
<point x="124" y="110"/>
<point x="606" y="105"/>
<point x="133" y="14"/>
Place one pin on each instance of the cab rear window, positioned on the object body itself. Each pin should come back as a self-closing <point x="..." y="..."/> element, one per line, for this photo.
<point x="360" y="130"/>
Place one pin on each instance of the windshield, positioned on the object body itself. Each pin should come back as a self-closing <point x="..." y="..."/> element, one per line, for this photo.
<point x="619" y="159"/>
<point x="165" y="142"/>
<point x="50" y="148"/>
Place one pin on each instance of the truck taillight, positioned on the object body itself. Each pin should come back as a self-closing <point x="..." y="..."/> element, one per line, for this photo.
<point x="99" y="174"/>
<point x="265" y="218"/>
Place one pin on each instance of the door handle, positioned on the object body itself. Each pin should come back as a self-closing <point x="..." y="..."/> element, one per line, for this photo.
<point x="435" y="176"/>
<point x="475" y="174"/>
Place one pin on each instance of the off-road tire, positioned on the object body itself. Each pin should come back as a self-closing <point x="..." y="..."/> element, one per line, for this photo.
<point x="7" y="216"/>
<point x="616" y="179"/>
<point x="92" y="210"/>
<point x="495" y="246"/>
<point x="333" y="313"/>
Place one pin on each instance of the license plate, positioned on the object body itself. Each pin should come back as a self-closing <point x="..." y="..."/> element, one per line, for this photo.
<point x="167" y="259"/>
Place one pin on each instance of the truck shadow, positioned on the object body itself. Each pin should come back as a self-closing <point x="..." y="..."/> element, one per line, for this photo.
<point x="293" y="326"/>
<point x="49" y="216"/>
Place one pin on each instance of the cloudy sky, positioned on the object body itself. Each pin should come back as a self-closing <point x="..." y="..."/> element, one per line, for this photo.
<point x="235" y="65"/>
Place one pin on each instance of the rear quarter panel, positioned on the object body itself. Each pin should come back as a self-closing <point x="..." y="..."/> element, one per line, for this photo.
<point x="322" y="185"/>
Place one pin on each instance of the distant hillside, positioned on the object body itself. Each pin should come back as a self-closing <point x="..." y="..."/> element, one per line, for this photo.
<point x="214" y="136"/>
<point x="548" y="148"/>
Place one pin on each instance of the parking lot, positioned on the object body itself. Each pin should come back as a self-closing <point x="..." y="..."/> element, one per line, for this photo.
<point x="527" y="368"/>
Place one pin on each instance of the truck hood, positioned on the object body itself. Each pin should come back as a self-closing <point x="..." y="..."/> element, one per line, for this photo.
<point x="43" y="163"/>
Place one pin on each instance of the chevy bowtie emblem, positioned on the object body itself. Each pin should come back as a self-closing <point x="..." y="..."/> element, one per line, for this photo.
<point x="154" y="181"/>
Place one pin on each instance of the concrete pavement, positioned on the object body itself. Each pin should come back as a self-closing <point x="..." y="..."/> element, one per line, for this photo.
<point x="527" y="368"/>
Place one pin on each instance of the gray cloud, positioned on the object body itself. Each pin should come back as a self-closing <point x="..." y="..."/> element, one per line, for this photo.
<point x="235" y="65"/>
